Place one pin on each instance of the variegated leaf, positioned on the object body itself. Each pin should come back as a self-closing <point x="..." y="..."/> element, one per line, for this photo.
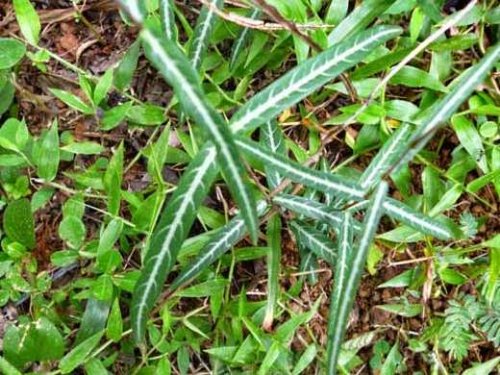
<point x="273" y="139"/>
<point x="315" y="241"/>
<point x="173" y="65"/>
<point x="242" y="39"/>
<point x="307" y="77"/>
<point x="355" y="266"/>
<point x="172" y="229"/>
<point x="136" y="9"/>
<point x="168" y="19"/>
<point x="203" y="31"/>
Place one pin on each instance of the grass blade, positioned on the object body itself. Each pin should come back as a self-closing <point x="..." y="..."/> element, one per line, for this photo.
<point x="340" y="278"/>
<point x="203" y="31"/>
<point x="356" y="263"/>
<point x="315" y="241"/>
<point x="463" y="86"/>
<point x="307" y="77"/>
<point x="242" y="40"/>
<point x="168" y="19"/>
<point x="173" y="65"/>
<point x="273" y="269"/>
<point x="272" y="138"/>
<point x="172" y="229"/>
<point x="313" y="210"/>
<point x="315" y="179"/>
<point x="222" y="240"/>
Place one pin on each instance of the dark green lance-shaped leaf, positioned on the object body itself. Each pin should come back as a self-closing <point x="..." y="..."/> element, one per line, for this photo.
<point x="124" y="72"/>
<point x="386" y="157"/>
<point x="301" y="81"/>
<point x="271" y="136"/>
<point x="79" y="354"/>
<point x="18" y="223"/>
<point x="315" y="241"/>
<point x="273" y="268"/>
<point x="172" y="229"/>
<point x="203" y="31"/>
<point x="11" y="52"/>
<point x="168" y="19"/>
<point x="94" y="319"/>
<point x="355" y="266"/>
<point x="7" y="368"/>
<point x="313" y="210"/>
<point x="242" y="39"/>
<point x="462" y="87"/>
<point x="315" y="179"/>
<point x="358" y="19"/>
<point x="417" y="220"/>
<point x="171" y="62"/>
<point x="46" y="153"/>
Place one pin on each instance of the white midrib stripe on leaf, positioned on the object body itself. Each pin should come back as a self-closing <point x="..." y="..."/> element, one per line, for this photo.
<point x="312" y="238"/>
<point x="157" y="49"/>
<point x="204" y="30"/>
<point x="172" y="230"/>
<point x="312" y="208"/>
<point x="463" y="88"/>
<point x="419" y="222"/>
<point x="214" y="247"/>
<point x="304" y="176"/>
<point x="166" y="19"/>
<point x="367" y="181"/>
<point x="249" y="117"/>
<point x="133" y="9"/>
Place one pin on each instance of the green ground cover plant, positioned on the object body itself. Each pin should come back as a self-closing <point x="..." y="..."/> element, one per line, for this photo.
<point x="271" y="187"/>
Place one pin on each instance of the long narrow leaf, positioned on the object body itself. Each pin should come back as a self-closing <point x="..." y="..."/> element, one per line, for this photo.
<point x="136" y="9"/>
<point x="242" y="40"/>
<point x="463" y="86"/>
<point x="225" y="238"/>
<point x="171" y="62"/>
<point x="301" y="81"/>
<point x="273" y="269"/>
<point x="203" y="31"/>
<point x="172" y="229"/>
<point x="340" y="278"/>
<point x="313" y="210"/>
<point x="168" y="19"/>
<point x="315" y="179"/>
<point x="358" y="19"/>
<point x="355" y="266"/>
<point x="272" y="138"/>
<point x="418" y="221"/>
<point x="315" y="241"/>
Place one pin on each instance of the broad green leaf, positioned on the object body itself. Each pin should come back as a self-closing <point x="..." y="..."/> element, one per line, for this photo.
<point x="313" y="209"/>
<point x="413" y="77"/>
<point x="470" y="139"/>
<point x="11" y="52"/>
<point x="147" y="114"/>
<point x="79" y="354"/>
<point x="273" y="269"/>
<point x="271" y="136"/>
<point x="115" y="116"/>
<point x="72" y="101"/>
<point x="392" y="361"/>
<point x="358" y="19"/>
<point x="14" y="135"/>
<point x="202" y="32"/>
<point x="18" y="223"/>
<point x="386" y="157"/>
<point x="483" y="368"/>
<point x="336" y="12"/>
<point x="93" y="320"/>
<point x="7" y="368"/>
<point x="103" y="86"/>
<point x="223" y="240"/>
<point x="207" y="288"/>
<point x="355" y="265"/>
<point x="298" y="173"/>
<point x="171" y="231"/>
<point x="345" y="242"/>
<point x="305" y="359"/>
<point x="112" y="180"/>
<point x="242" y="40"/>
<point x="114" y="327"/>
<point x="418" y="221"/>
<point x="307" y="77"/>
<point x="315" y="241"/>
<point x="462" y="87"/>
<point x="35" y="341"/>
<point x="271" y="356"/>
<point x="171" y="62"/>
<point x="46" y="153"/>
<point x="168" y="19"/>
<point x="83" y="148"/>
<point x="28" y="20"/>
